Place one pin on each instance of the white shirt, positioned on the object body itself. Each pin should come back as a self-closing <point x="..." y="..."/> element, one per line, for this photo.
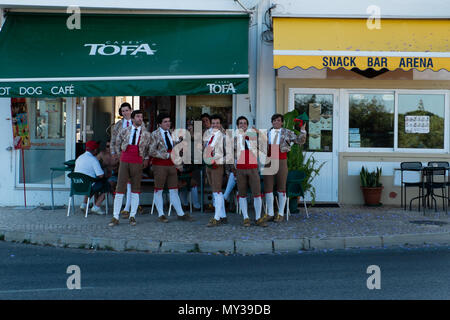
<point x="272" y="134"/>
<point x="164" y="136"/>
<point x="88" y="164"/>
<point x="138" y="134"/>
<point x="215" y="134"/>
<point x="125" y="121"/>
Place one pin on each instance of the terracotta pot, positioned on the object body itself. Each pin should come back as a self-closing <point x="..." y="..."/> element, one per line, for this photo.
<point x="372" y="196"/>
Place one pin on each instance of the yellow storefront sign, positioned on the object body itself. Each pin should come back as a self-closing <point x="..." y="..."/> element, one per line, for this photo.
<point x="349" y="43"/>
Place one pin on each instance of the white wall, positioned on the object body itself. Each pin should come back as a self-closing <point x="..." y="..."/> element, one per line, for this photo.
<point x="7" y="158"/>
<point x="352" y="8"/>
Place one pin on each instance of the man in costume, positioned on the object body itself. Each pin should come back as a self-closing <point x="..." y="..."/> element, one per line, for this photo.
<point x="132" y="144"/>
<point x="164" y="169"/>
<point x="279" y="142"/>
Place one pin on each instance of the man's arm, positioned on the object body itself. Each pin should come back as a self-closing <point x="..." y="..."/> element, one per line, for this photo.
<point x="118" y="142"/>
<point x="298" y="139"/>
<point x="98" y="169"/>
<point x="112" y="143"/>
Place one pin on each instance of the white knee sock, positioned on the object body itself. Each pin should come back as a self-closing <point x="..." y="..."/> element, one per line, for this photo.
<point x="281" y="203"/>
<point x="117" y="205"/>
<point x="194" y="194"/>
<point x="230" y="185"/>
<point x="183" y="197"/>
<point x="243" y="207"/>
<point x="218" y="206"/>
<point x="269" y="203"/>
<point x="128" y="203"/>
<point x="134" y="204"/>
<point x="159" y="202"/>
<point x="257" y="203"/>
<point x="175" y="200"/>
<point x="223" y="213"/>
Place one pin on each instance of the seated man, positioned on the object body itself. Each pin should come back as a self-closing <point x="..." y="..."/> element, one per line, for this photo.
<point x="89" y="165"/>
<point x="109" y="164"/>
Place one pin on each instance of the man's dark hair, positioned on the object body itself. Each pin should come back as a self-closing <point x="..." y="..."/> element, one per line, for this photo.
<point x="205" y="115"/>
<point x="135" y="112"/>
<point x="216" y="116"/>
<point x="161" y="117"/>
<point x="124" y="105"/>
<point x="241" y="118"/>
<point x="276" y="116"/>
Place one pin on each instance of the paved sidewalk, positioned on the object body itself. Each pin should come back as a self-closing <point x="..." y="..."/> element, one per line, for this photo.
<point x="326" y="228"/>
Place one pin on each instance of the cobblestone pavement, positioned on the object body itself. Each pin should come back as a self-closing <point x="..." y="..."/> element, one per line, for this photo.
<point x="347" y="221"/>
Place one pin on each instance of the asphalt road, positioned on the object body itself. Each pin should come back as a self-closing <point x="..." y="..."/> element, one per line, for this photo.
<point x="35" y="272"/>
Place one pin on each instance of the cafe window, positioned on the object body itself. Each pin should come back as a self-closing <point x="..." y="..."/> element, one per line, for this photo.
<point x="319" y="109"/>
<point x="211" y="104"/>
<point x="371" y="120"/>
<point x="421" y="121"/>
<point x="47" y="127"/>
<point x="396" y="121"/>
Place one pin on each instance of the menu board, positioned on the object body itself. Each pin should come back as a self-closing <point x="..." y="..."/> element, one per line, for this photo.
<point x="417" y="124"/>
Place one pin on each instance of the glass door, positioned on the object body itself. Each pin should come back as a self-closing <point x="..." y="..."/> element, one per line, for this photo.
<point x="321" y="107"/>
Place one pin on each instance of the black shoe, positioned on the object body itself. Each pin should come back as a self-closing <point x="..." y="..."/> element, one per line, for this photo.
<point x="223" y="220"/>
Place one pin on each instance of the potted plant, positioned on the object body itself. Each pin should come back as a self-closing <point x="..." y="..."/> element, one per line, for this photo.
<point x="297" y="159"/>
<point x="371" y="186"/>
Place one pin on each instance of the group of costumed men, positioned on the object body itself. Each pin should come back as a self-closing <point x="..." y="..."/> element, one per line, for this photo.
<point x="134" y="146"/>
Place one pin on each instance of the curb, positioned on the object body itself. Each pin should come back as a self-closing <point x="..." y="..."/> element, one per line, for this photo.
<point x="245" y="247"/>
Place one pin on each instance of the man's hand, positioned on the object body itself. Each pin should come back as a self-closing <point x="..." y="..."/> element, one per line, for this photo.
<point x="115" y="157"/>
<point x="303" y="127"/>
<point x="145" y="163"/>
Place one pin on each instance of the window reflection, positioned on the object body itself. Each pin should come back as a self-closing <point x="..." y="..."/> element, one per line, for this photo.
<point x="319" y="108"/>
<point x="421" y="121"/>
<point x="47" y="123"/>
<point x="371" y="120"/>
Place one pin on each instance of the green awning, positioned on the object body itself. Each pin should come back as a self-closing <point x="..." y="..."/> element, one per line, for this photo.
<point x="122" y="55"/>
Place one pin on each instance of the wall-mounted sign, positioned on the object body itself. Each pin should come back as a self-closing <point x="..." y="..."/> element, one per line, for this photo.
<point x="21" y="132"/>
<point x="417" y="124"/>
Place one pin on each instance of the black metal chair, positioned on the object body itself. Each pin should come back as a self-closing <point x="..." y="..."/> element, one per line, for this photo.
<point x="430" y="176"/>
<point x="410" y="166"/>
<point x="440" y="178"/>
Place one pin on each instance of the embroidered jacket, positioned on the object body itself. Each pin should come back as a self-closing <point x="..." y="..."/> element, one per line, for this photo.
<point x="115" y="129"/>
<point x="158" y="147"/>
<point x="287" y="137"/>
<point x="123" y="139"/>
<point x="252" y="143"/>
<point x="214" y="151"/>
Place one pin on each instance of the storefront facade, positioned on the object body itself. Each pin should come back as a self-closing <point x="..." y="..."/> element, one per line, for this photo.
<point x="361" y="106"/>
<point x="375" y="97"/>
<point x="184" y="60"/>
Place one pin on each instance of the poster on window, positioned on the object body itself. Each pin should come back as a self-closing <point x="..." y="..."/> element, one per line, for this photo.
<point x="417" y="124"/>
<point x="315" y="109"/>
<point x="314" y="141"/>
<point x="19" y="115"/>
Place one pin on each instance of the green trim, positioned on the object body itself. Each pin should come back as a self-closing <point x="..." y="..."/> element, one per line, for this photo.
<point x="124" y="88"/>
